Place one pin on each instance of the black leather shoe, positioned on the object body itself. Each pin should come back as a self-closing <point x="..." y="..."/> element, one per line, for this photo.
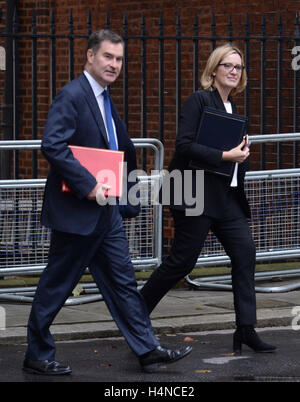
<point x="150" y="361"/>
<point x="45" y="367"/>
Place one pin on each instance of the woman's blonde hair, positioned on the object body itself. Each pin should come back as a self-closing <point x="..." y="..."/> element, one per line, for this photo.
<point x="216" y="57"/>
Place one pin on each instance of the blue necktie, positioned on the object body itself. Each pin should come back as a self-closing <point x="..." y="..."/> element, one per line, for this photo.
<point x="109" y="123"/>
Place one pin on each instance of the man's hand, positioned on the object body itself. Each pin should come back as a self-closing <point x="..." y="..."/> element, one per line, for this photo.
<point x="99" y="193"/>
<point x="238" y="154"/>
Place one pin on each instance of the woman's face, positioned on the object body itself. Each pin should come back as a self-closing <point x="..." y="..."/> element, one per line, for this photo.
<point x="229" y="72"/>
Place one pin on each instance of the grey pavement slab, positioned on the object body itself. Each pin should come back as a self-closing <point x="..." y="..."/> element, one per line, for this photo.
<point x="181" y="310"/>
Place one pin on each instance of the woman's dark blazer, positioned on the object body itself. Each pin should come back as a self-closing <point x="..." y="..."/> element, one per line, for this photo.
<point x="215" y="187"/>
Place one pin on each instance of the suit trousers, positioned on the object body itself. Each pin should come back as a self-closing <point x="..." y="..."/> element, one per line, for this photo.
<point x="233" y="231"/>
<point x="69" y="255"/>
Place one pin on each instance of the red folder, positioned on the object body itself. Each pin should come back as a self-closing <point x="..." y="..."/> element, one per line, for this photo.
<point x="104" y="164"/>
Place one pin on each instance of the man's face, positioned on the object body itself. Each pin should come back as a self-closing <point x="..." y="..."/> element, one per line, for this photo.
<point x="105" y="65"/>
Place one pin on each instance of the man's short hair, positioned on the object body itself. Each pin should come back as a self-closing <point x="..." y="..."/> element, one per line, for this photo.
<point x="97" y="37"/>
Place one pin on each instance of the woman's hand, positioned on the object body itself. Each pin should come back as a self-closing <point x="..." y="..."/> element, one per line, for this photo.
<point x="238" y="154"/>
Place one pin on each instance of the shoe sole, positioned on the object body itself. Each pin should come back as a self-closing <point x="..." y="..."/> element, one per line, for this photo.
<point x="239" y="352"/>
<point x="33" y="371"/>
<point x="152" y="368"/>
<point x="265" y="351"/>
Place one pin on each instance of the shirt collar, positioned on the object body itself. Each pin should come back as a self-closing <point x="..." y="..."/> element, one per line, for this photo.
<point x="96" y="87"/>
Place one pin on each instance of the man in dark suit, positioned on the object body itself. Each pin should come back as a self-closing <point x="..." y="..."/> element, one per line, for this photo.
<point x="84" y="233"/>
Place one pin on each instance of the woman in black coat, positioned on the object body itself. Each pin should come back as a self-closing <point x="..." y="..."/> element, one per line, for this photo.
<point x="226" y="209"/>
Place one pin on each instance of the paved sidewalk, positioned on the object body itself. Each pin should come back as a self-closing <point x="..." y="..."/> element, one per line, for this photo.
<point x="182" y="310"/>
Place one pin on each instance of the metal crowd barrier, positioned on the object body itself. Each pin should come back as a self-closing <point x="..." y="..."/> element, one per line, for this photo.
<point x="274" y="197"/>
<point x="24" y="242"/>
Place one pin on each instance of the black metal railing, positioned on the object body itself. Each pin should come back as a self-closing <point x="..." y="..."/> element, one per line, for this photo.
<point x="261" y="67"/>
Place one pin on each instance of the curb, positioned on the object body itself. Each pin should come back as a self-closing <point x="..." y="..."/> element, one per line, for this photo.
<point x="209" y="322"/>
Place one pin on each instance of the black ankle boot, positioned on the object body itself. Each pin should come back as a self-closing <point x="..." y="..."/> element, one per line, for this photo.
<point x="247" y="335"/>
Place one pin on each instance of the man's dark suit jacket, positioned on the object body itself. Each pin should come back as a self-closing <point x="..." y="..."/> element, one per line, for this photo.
<point x="75" y="118"/>
<point x="215" y="187"/>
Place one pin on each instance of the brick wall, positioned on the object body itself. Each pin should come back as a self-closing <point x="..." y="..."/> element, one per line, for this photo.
<point x="170" y="9"/>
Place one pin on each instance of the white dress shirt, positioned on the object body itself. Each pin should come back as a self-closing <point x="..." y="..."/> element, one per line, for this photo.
<point x="98" y="89"/>
<point x="234" y="182"/>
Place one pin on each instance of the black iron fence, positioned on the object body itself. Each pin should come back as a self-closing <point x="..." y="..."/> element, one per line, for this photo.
<point x="271" y="98"/>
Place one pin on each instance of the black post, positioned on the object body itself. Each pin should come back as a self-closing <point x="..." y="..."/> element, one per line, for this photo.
<point x="8" y="113"/>
<point x="34" y="92"/>
<point x="125" y="71"/>
<point x="213" y="32"/>
<point x="178" y="69"/>
<point x="196" y="55"/>
<point x="161" y="79"/>
<point x="296" y="95"/>
<point x="52" y="57"/>
<point x="263" y="90"/>
<point x="71" y="46"/>
<point x="279" y="92"/>
<point x="144" y="87"/>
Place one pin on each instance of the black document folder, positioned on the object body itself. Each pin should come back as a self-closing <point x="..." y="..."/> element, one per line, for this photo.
<point x="220" y="130"/>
